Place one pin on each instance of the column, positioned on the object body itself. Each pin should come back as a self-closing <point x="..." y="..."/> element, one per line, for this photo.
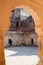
<point x="2" y="57"/>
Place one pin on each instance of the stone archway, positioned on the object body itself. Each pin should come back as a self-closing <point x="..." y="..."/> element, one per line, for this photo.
<point x="5" y="8"/>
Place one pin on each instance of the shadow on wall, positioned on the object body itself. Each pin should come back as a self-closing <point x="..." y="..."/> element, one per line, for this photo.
<point x="21" y="51"/>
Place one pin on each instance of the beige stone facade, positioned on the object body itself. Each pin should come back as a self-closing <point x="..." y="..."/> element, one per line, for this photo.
<point x="20" y="38"/>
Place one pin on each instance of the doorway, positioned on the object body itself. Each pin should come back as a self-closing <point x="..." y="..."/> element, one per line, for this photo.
<point x="10" y="42"/>
<point x="17" y="24"/>
<point x="32" y="41"/>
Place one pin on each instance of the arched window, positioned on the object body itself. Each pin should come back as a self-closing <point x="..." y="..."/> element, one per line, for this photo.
<point x="17" y="24"/>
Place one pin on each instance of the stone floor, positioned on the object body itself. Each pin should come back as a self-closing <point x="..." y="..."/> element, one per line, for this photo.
<point x="21" y="55"/>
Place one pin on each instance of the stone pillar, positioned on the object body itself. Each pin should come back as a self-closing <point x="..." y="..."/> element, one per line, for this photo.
<point x="2" y="58"/>
<point x="40" y="51"/>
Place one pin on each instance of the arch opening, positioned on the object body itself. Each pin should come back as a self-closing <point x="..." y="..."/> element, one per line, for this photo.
<point x="10" y="42"/>
<point x="36" y="19"/>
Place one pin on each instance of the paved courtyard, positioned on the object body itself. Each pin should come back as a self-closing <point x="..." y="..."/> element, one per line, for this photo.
<point x="21" y="55"/>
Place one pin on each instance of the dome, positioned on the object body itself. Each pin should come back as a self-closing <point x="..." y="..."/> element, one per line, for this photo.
<point x="19" y="14"/>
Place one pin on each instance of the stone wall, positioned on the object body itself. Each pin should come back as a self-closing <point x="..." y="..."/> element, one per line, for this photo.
<point x="20" y="38"/>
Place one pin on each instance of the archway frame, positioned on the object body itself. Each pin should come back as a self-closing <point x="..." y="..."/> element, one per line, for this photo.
<point x="34" y="4"/>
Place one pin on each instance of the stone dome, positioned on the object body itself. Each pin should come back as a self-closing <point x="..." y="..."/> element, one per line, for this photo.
<point x="19" y="14"/>
<point x="21" y="20"/>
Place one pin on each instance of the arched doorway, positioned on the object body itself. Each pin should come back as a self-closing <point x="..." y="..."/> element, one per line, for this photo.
<point x="31" y="27"/>
<point x="17" y="24"/>
<point x="10" y="42"/>
<point x="36" y="5"/>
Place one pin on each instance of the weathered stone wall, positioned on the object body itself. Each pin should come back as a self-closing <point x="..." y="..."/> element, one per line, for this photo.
<point x="19" y="20"/>
<point x="20" y="38"/>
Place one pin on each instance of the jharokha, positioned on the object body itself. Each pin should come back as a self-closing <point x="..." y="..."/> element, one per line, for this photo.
<point x="22" y="23"/>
